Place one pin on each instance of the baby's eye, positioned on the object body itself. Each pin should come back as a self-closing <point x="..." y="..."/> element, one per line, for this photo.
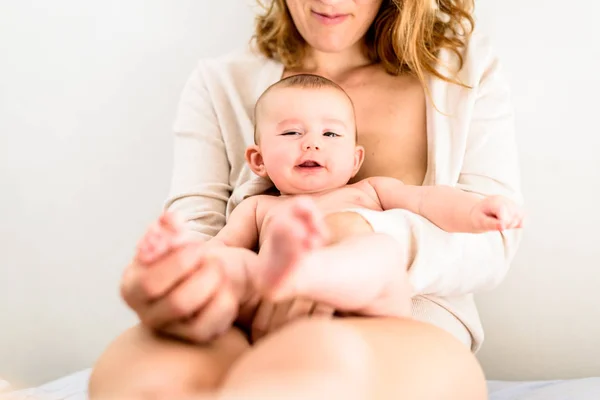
<point x="290" y="133"/>
<point x="331" y="134"/>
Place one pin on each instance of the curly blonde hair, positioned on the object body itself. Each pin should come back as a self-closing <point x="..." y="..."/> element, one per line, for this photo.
<point x="405" y="37"/>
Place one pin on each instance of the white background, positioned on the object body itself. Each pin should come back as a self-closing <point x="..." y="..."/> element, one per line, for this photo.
<point x="88" y="92"/>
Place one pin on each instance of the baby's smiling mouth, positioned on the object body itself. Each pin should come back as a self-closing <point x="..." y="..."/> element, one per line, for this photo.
<point x="309" y="164"/>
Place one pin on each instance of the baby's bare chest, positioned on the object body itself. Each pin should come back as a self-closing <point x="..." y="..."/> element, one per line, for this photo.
<point x="331" y="202"/>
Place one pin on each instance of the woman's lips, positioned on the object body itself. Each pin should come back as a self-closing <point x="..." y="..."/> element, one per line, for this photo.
<point x="328" y="19"/>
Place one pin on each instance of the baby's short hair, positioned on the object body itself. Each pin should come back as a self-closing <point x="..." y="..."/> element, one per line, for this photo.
<point x="308" y="81"/>
<point x="304" y="81"/>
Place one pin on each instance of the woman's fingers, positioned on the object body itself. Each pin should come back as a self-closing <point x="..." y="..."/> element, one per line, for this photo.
<point x="210" y="322"/>
<point x="185" y="299"/>
<point x="142" y="284"/>
<point x="130" y="276"/>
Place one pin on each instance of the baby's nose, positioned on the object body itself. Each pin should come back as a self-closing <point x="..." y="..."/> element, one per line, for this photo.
<point x="311" y="143"/>
<point x="310" y="146"/>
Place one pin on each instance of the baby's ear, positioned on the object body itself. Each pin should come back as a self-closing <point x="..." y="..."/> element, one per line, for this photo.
<point x="359" y="157"/>
<point x="255" y="161"/>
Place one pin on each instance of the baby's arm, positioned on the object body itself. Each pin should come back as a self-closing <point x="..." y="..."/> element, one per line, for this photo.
<point x="451" y="209"/>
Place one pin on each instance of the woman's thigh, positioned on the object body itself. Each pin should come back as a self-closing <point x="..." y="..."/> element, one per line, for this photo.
<point x="385" y="358"/>
<point x="142" y="364"/>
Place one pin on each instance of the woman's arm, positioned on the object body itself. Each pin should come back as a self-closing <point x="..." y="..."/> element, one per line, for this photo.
<point x="484" y="162"/>
<point x="200" y="185"/>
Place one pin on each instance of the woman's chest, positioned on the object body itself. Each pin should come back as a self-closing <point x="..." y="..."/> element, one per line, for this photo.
<point x="391" y="120"/>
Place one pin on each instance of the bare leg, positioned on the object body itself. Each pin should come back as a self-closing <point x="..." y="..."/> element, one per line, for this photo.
<point x="303" y="361"/>
<point x="404" y="359"/>
<point x="357" y="358"/>
<point x="358" y="274"/>
<point x="142" y="365"/>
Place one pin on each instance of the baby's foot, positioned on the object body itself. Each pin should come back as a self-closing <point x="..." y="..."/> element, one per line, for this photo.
<point x="296" y="230"/>
<point x="162" y="236"/>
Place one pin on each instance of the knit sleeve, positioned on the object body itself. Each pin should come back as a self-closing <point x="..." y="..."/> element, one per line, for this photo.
<point x="200" y="185"/>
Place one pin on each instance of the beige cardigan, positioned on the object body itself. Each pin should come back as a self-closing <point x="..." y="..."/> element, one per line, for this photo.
<point x="471" y="146"/>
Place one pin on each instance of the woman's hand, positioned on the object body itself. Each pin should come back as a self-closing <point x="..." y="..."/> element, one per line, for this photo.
<point x="186" y="293"/>
<point x="272" y="316"/>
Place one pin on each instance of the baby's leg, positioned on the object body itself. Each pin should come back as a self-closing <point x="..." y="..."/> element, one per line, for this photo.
<point x="361" y="273"/>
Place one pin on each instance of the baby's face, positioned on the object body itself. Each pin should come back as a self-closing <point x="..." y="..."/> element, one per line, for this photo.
<point x="307" y="139"/>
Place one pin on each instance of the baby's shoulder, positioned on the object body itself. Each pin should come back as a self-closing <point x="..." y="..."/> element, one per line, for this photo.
<point x="366" y="185"/>
<point x="265" y="203"/>
<point x="267" y="199"/>
<point x="357" y="192"/>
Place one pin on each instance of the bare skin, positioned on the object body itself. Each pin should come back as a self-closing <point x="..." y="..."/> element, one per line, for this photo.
<point x="232" y="366"/>
<point x="451" y="209"/>
<point x="296" y="261"/>
<point x="358" y="274"/>
<point x="400" y="152"/>
<point x="297" y="257"/>
<point x="394" y="357"/>
<point x="229" y="374"/>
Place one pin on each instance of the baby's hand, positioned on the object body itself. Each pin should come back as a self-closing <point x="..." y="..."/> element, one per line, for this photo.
<point x="164" y="235"/>
<point x="496" y="213"/>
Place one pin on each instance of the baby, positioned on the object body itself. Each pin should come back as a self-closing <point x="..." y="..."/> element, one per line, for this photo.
<point x="306" y="144"/>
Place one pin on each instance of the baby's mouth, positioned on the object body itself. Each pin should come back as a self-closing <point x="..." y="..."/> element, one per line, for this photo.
<point x="310" y="164"/>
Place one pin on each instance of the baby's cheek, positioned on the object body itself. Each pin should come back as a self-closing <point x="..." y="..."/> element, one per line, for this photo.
<point x="277" y="163"/>
<point x="284" y="156"/>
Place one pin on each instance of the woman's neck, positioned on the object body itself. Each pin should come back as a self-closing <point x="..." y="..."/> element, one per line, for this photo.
<point x="335" y="66"/>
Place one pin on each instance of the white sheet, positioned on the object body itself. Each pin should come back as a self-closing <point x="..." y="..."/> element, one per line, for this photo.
<point x="71" y="387"/>
<point x="574" y="389"/>
<point x="74" y="387"/>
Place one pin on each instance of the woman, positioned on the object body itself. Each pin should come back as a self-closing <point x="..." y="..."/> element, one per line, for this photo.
<point x="431" y="108"/>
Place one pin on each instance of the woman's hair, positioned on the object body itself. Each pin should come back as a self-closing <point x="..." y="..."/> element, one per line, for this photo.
<point x="405" y="37"/>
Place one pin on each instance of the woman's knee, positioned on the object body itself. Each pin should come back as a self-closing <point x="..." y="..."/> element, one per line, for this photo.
<point x="334" y="342"/>
<point x="319" y="346"/>
<point x="376" y="358"/>
<point x="144" y="365"/>
<point x="413" y="359"/>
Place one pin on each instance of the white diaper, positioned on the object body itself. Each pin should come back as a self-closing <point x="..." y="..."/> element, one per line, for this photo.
<point x="380" y="222"/>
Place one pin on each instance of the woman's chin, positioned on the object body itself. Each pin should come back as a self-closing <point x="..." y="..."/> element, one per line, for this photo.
<point x="331" y="45"/>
